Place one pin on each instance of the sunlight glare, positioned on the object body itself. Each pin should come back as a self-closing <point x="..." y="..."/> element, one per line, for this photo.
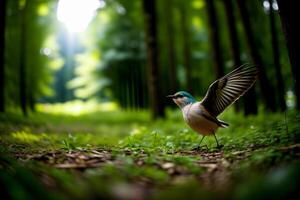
<point x="77" y="14"/>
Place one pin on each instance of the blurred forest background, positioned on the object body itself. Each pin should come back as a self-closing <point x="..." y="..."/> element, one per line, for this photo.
<point x="134" y="53"/>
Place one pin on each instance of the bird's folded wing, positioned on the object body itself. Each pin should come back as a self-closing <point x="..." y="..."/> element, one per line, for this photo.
<point x="229" y="88"/>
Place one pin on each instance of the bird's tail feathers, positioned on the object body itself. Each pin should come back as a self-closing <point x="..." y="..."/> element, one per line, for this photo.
<point x="223" y="124"/>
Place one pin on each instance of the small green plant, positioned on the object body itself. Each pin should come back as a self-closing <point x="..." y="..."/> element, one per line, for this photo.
<point x="70" y="142"/>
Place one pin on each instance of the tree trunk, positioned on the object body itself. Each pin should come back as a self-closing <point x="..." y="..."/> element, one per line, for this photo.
<point x="2" y="54"/>
<point x="266" y="88"/>
<point x="289" y="15"/>
<point x="186" y="47"/>
<point x="276" y="56"/>
<point x="250" y="103"/>
<point x="22" y="71"/>
<point x="170" y="45"/>
<point x="155" y="96"/>
<point x="215" y="38"/>
<point x="32" y="103"/>
<point x="231" y="22"/>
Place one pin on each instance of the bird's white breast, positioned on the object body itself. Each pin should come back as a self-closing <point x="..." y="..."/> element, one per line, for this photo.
<point x="193" y="116"/>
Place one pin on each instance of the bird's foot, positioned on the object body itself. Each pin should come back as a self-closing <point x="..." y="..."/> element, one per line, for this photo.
<point x="199" y="148"/>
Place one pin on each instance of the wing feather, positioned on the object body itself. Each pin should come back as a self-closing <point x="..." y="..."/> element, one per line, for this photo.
<point x="229" y="88"/>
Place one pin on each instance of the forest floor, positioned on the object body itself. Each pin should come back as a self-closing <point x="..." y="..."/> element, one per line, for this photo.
<point x="124" y="155"/>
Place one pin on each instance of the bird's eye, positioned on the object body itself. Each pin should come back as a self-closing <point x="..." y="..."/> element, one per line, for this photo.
<point x="179" y="96"/>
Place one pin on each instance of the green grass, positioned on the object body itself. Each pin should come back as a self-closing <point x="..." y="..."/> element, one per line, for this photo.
<point x="122" y="154"/>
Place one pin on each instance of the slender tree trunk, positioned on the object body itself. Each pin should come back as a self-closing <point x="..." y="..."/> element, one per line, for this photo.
<point x="250" y="103"/>
<point x="231" y="22"/>
<point x="186" y="48"/>
<point x="2" y="54"/>
<point x="22" y="71"/>
<point x="32" y="103"/>
<point x="276" y="56"/>
<point x="265" y="86"/>
<point x="155" y="96"/>
<point x="170" y="45"/>
<point x="289" y="15"/>
<point x="215" y="38"/>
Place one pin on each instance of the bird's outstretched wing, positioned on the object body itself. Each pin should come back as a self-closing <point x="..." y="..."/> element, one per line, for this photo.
<point x="229" y="88"/>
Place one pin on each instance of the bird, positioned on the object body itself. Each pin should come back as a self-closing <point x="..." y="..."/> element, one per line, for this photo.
<point x="202" y="115"/>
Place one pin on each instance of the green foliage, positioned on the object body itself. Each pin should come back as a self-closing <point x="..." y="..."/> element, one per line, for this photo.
<point x="107" y="62"/>
<point x="38" y="27"/>
<point x="123" y="54"/>
<point x="18" y="182"/>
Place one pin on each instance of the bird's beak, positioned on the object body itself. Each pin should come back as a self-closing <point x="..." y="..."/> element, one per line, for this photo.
<point x="170" y="96"/>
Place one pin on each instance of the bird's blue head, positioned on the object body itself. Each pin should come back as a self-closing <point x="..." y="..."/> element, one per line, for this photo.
<point x="182" y="98"/>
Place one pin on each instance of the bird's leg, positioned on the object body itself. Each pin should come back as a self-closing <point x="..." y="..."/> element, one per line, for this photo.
<point x="198" y="147"/>
<point x="218" y="146"/>
<point x="201" y="140"/>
